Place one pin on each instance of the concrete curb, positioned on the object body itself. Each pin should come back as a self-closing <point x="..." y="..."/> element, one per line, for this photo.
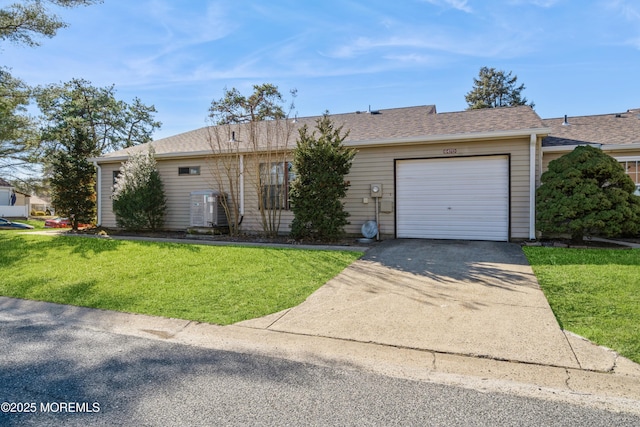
<point x="615" y="390"/>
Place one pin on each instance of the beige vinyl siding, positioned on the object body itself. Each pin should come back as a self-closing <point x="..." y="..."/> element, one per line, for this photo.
<point x="622" y="153"/>
<point x="371" y="165"/>
<point x="178" y="189"/>
<point x="376" y="165"/>
<point x="549" y="156"/>
<point x="106" y="186"/>
<point x="252" y="221"/>
<point x="21" y="199"/>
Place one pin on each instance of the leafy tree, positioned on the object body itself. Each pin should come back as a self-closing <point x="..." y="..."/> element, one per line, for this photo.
<point x="22" y="22"/>
<point x="257" y="125"/>
<point x="73" y="179"/>
<point x="18" y="134"/>
<point x="321" y="163"/>
<point x="495" y="88"/>
<point x="32" y="185"/>
<point x="587" y="192"/>
<point x="138" y="197"/>
<point x="77" y="109"/>
<point x="111" y="124"/>
<point x="265" y="103"/>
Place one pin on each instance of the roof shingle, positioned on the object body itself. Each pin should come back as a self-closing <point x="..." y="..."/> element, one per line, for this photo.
<point x="616" y="128"/>
<point x="382" y="125"/>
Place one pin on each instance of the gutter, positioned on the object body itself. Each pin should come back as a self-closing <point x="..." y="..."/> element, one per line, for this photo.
<point x="433" y="139"/>
<point x="98" y="193"/>
<point x="449" y="137"/>
<point x="604" y="147"/>
<point x="241" y="186"/>
<point x="532" y="186"/>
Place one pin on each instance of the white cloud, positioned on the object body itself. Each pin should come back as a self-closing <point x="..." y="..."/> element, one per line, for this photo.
<point x="461" y="5"/>
<point x="197" y="27"/>
<point x="629" y="10"/>
<point x="433" y="40"/>
<point x="539" y="3"/>
<point x="411" y="58"/>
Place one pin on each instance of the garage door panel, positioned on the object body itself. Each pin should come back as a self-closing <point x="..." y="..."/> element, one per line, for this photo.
<point x="457" y="198"/>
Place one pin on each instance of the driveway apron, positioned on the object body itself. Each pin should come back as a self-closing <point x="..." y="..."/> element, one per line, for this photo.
<point x="461" y="297"/>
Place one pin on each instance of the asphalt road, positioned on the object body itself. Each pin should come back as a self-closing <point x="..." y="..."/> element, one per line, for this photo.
<point x="81" y="377"/>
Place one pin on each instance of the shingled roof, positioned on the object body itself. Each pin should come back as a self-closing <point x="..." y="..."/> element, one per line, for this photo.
<point x="386" y="126"/>
<point x="616" y="128"/>
<point x="4" y="183"/>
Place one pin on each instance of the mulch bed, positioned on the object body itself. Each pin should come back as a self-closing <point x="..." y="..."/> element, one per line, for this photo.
<point x="567" y="243"/>
<point x="347" y="241"/>
<point x="244" y="238"/>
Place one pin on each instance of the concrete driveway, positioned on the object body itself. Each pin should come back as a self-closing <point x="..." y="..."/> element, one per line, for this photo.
<point x="459" y="297"/>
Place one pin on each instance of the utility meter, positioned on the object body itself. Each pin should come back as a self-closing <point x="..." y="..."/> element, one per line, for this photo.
<point x="376" y="190"/>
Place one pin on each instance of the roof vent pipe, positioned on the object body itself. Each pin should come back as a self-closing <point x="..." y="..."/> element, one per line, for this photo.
<point x="565" y="123"/>
<point x="233" y="136"/>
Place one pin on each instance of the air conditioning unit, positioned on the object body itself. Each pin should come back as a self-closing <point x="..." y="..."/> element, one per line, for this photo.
<point x="207" y="209"/>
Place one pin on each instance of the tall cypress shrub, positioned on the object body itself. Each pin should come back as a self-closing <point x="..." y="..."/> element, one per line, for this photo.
<point x="73" y="178"/>
<point x="321" y="162"/>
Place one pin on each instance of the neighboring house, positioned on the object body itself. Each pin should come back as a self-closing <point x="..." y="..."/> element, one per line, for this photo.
<point x="5" y="193"/>
<point x="617" y="134"/>
<point x="460" y="175"/>
<point x="40" y="205"/>
<point x="13" y="204"/>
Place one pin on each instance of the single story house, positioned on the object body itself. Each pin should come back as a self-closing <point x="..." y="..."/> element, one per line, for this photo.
<point x="13" y="203"/>
<point x="458" y="175"/>
<point x="40" y="205"/>
<point x="617" y="134"/>
<point x="6" y="191"/>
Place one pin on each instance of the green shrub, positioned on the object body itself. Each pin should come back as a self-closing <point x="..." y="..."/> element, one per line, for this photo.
<point x="138" y="197"/>
<point x="321" y="163"/>
<point x="587" y="192"/>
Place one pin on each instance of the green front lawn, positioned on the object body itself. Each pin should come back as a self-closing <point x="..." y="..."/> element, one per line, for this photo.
<point x="216" y="284"/>
<point x="594" y="293"/>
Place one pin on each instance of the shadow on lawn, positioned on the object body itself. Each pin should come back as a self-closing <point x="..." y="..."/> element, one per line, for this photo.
<point x="16" y="248"/>
<point x="82" y="293"/>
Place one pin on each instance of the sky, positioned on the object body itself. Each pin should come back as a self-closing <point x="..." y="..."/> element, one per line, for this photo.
<point x="575" y="57"/>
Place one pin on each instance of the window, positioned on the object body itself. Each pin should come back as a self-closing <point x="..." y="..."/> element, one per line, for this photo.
<point x="189" y="170"/>
<point x="275" y="180"/>
<point x="632" y="167"/>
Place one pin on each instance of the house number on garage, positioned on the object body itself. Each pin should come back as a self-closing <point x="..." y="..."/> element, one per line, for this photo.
<point x="449" y="151"/>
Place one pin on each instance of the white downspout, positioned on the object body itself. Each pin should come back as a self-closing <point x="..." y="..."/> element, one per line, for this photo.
<point x="241" y="184"/>
<point x="98" y="194"/>
<point x="532" y="186"/>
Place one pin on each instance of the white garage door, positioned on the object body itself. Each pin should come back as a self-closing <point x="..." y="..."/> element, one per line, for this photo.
<point x="454" y="198"/>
